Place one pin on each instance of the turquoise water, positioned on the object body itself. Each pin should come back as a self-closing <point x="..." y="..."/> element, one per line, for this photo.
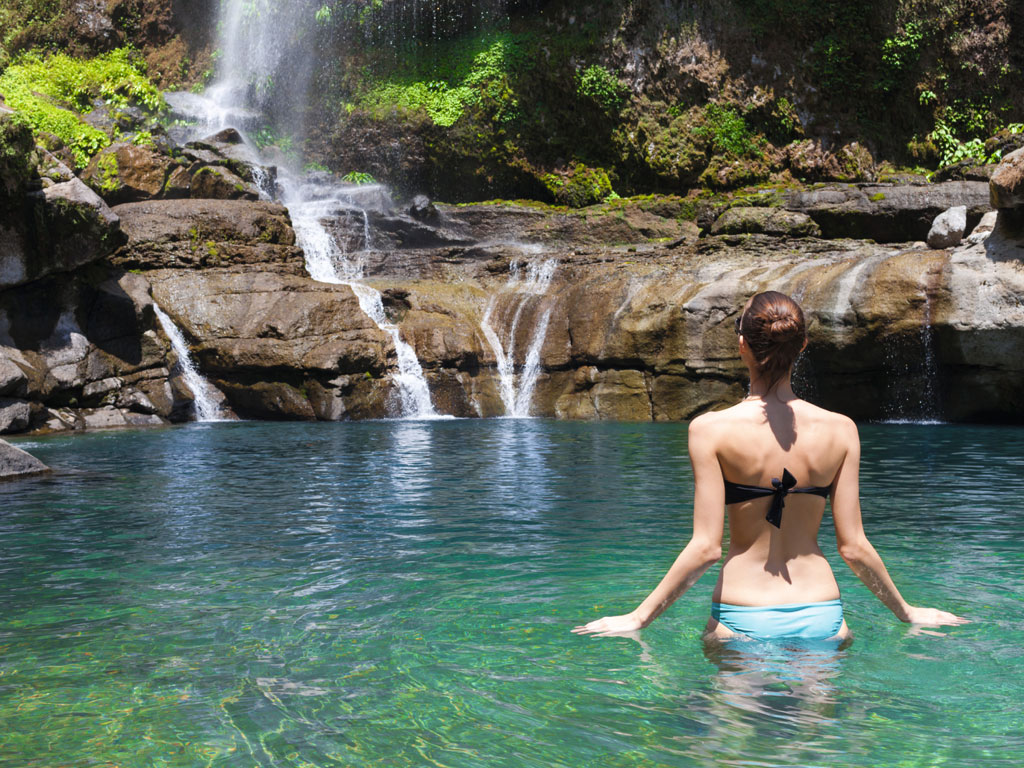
<point x="401" y="594"/>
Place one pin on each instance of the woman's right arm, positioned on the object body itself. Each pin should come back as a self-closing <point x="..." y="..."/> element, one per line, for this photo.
<point x="856" y="550"/>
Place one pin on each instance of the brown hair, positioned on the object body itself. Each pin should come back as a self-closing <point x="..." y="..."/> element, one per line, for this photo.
<point x="773" y="326"/>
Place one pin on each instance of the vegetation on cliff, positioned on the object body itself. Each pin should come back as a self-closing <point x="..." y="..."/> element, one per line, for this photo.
<point x="53" y="93"/>
<point x="470" y="100"/>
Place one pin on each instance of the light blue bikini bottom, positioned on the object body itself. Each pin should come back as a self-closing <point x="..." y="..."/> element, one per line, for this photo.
<point x="806" y="621"/>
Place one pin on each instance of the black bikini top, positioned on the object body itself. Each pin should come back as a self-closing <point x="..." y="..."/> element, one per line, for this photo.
<point x="735" y="493"/>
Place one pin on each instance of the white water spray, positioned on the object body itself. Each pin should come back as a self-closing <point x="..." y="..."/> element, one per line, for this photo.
<point x="205" y="402"/>
<point x="517" y="391"/>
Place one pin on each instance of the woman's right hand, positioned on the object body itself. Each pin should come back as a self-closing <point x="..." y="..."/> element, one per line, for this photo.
<point x="610" y="626"/>
<point x="933" y="617"/>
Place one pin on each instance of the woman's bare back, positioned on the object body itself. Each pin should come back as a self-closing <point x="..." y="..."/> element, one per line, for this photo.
<point x="755" y="441"/>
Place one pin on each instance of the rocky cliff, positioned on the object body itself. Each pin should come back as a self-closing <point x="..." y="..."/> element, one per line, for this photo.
<point x="632" y="320"/>
<point x="619" y="310"/>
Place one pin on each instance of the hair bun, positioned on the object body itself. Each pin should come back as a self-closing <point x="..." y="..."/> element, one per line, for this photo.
<point x="783" y="328"/>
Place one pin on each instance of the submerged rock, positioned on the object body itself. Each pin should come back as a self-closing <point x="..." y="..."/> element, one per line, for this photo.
<point x="15" y="463"/>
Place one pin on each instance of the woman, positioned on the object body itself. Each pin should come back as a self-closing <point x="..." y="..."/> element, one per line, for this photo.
<point x="772" y="459"/>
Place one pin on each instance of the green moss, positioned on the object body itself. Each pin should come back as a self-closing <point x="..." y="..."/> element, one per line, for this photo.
<point x="877" y="197"/>
<point x="601" y="86"/>
<point x="51" y="91"/>
<point x="109" y="170"/>
<point x="17" y="158"/>
<point x="580" y="186"/>
<point x="728" y="132"/>
<point x="458" y="76"/>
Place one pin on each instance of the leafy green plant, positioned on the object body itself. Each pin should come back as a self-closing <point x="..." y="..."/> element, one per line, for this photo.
<point x="143" y="139"/>
<point x="311" y="166"/>
<point x="952" y="150"/>
<point x="268" y="137"/>
<point x="357" y="177"/>
<point x="601" y="86"/>
<point x="899" y="54"/>
<point x="727" y="131"/>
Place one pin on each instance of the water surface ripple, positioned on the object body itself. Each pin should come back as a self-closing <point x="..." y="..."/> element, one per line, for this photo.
<point x="401" y="593"/>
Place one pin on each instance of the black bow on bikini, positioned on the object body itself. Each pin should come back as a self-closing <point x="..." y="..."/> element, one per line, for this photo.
<point x="781" y="487"/>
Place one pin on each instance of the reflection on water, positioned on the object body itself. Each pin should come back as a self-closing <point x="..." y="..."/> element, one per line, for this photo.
<point x="401" y="594"/>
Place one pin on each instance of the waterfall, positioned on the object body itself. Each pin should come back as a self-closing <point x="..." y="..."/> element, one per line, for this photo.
<point x="912" y="371"/>
<point x="517" y="391"/>
<point x="328" y="263"/>
<point x="205" y="394"/>
<point x="255" y="36"/>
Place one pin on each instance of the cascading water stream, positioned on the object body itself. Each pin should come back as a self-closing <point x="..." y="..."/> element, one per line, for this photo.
<point x="328" y="263"/>
<point x="206" y="407"/>
<point x="252" y="37"/>
<point x="517" y="391"/>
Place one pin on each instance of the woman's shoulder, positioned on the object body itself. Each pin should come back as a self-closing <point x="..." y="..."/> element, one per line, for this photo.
<point x="831" y="420"/>
<point x="710" y="422"/>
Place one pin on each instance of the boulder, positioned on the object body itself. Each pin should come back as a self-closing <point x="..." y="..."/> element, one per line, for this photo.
<point x="948" y="228"/>
<point x="423" y="210"/>
<point x="15" y="416"/>
<point x="15" y="463"/>
<point x="69" y="226"/>
<point x="226" y="136"/>
<point x="1007" y="183"/>
<point x="766" y="221"/>
<point x="12" y="377"/>
<point x="125" y="173"/>
<point x="218" y="183"/>
<point x="887" y="213"/>
<point x="205" y="233"/>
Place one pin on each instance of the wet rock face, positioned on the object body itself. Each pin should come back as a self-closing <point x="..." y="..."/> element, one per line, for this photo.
<point x="81" y="352"/>
<point x="279" y="346"/>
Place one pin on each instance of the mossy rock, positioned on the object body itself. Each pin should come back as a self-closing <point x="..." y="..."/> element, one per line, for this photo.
<point x="580" y="186"/>
<point x="729" y="173"/>
<point x="671" y="147"/>
<point x="126" y="173"/>
<point x="765" y="221"/>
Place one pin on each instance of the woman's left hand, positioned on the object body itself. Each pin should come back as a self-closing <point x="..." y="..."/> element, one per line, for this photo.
<point x="610" y="625"/>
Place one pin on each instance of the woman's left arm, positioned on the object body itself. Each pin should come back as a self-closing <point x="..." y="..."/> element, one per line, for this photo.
<point x="703" y="550"/>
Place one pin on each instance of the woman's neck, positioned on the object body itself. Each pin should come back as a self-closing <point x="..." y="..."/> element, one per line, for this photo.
<point x="782" y="391"/>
